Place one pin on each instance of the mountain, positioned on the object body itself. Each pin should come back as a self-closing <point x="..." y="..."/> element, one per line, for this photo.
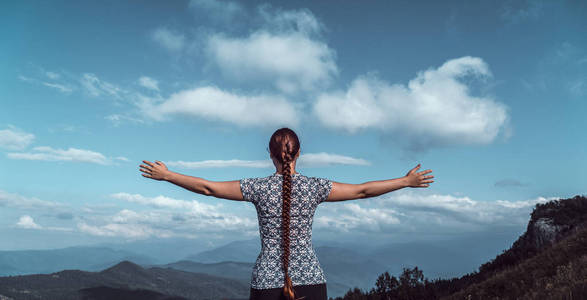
<point x="235" y="270"/>
<point x="227" y="269"/>
<point x="243" y="251"/>
<point x="343" y="268"/>
<point x="47" y="261"/>
<point x="549" y="223"/>
<point x="553" y="228"/>
<point x="548" y="261"/>
<point x="125" y="278"/>
<point x="158" y="248"/>
<point x="558" y="272"/>
<point x="346" y="267"/>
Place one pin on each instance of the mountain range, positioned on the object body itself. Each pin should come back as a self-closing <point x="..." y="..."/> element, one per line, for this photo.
<point x="225" y="271"/>
<point x="344" y="265"/>
<point x="123" y="280"/>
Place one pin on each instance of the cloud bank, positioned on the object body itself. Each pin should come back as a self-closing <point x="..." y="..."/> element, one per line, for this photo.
<point x="415" y="213"/>
<point x="171" y="218"/>
<point x="14" y="138"/>
<point x="45" y="153"/>
<point x="214" y="104"/>
<point x="21" y="202"/>
<point x="435" y="109"/>
<point x="308" y="160"/>
<point x="287" y="53"/>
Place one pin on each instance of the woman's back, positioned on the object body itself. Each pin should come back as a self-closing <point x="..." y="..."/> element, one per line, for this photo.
<point x="306" y="193"/>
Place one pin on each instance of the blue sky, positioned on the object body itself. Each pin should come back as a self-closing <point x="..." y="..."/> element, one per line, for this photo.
<point x="489" y="95"/>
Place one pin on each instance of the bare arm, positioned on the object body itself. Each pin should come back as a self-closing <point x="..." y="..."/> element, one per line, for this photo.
<point x="220" y="189"/>
<point x="346" y="191"/>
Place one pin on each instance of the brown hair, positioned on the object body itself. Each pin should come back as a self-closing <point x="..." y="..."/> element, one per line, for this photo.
<point x="284" y="145"/>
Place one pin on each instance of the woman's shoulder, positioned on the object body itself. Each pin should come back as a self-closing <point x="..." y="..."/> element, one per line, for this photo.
<point x="277" y="176"/>
<point x="260" y="180"/>
<point x="313" y="178"/>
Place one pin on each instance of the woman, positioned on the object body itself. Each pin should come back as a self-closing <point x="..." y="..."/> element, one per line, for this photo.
<point x="287" y="266"/>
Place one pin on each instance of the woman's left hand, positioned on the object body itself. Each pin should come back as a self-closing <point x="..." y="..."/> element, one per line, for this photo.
<point x="417" y="179"/>
<point x="156" y="170"/>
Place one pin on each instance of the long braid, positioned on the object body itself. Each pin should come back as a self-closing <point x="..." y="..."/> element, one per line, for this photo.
<point x="285" y="217"/>
<point x="284" y="146"/>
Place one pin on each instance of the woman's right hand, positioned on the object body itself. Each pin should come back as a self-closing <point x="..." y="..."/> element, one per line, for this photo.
<point x="156" y="170"/>
<point x="418" y="179"/>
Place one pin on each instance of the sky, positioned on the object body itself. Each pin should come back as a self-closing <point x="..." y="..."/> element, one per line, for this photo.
<point x="489" y="95"/>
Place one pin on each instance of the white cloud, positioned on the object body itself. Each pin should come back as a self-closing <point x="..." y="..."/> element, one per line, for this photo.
<point x="301" y="20"/>
<point x="464" y="209"/>
<point x="72" y="154"/>
<point x="27" y="222"/>
<point x="132" y="231"/>
<point x="217" y="105"/>
<point x="416" y="213"/>
<point x="14" y="138"/>
<point x="96" y="87"/>
<point x="52" y="75"/>
<point x="326" y="159"/>
<point x="352" y="216"/>
<point x="305" y="160"/>
<point x="436" y="108"/>
<point x="149" y="83"/>
<point x="166" y="202"/>
<point x="172" y="218"/>
<point x="168" y="39"/>
<point x="19" y="201"/>
<point x="117" y="119"/>
<point x="61" y="87"/>
<point x="285" y="53"/>
<point x="25" y="79"/>
<point x="231" y="163"/>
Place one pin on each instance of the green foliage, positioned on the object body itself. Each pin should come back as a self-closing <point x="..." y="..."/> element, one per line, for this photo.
<point x="411" y="285"/>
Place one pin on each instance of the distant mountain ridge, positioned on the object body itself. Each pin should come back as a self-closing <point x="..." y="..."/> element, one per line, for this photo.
<point x="48" y="261"/>
<point x="229" y="269"/>
<point x="125" y="277"/>
<point x="344" y="266"/>
<point x="241" y="251"/>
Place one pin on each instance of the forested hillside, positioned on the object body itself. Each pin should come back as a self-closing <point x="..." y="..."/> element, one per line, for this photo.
<point x="549" y="261"/>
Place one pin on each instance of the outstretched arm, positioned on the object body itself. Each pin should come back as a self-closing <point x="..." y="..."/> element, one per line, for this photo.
<point x="221" y="189"/>
<point x="345" y="191"/>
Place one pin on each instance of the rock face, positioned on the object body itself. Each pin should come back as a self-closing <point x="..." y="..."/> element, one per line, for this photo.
<point x="544" y="232"/>
<point x="551" y="222"/>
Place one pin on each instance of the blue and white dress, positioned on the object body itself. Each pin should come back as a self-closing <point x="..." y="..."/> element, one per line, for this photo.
<point x="265" y="194"/>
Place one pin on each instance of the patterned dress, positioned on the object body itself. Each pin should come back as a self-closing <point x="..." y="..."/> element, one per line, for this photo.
<point x="265" y="194"/>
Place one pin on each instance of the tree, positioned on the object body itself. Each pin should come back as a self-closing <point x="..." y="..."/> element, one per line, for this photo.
<point x="411" y="284"/>
<point x="386" y="286"/>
